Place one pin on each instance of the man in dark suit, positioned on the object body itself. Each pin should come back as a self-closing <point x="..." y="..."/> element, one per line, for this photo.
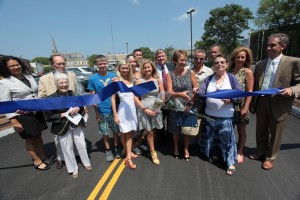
<point x="278" y="71"/>
<point x="163" y="68"/>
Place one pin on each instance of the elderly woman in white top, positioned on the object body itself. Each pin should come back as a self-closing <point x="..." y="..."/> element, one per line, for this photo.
<point x="67" y="132"/>
<point x="221" y="110"/>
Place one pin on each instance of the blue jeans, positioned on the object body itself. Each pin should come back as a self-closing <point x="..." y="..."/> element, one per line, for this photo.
<point x="222" y="128"/>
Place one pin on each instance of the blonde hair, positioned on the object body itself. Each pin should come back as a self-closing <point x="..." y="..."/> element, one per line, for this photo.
<point x="235" y="52"/>
<point x="154" y="70"/>
<point x="129" y="75"/>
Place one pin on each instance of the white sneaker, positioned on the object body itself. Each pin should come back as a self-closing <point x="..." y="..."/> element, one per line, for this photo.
<point x="75" y="175"/>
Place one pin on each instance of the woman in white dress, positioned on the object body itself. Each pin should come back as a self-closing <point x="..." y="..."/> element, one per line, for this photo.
<point x="125" y="114"/>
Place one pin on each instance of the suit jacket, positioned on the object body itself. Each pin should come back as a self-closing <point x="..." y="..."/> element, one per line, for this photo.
<point x="13" y="89"/>
<point x="47" y="85"/>
<point x="287" y="75"/>
<point x="171" y="66"/>
<point x="59" y="125"/>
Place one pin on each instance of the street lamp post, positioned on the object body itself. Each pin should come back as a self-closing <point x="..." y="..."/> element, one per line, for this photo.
<point x="127" y="47"/>
<point x="191" y="26"/>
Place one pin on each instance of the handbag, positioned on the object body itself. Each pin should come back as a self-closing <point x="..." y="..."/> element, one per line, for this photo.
<point x="187" y="118"/>
<point x="192" y="131"/>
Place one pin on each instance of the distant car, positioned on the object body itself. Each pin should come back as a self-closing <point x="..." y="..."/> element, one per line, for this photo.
<point x="83" y="74"/>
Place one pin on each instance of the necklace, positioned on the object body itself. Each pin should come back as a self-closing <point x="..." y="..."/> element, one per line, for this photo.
<point x="219" y="85"/>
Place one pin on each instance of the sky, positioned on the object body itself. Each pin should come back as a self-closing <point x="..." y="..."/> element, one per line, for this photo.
<point x="103" y="26"/>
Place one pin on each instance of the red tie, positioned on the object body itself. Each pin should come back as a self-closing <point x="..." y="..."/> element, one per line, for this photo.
<point x="164" y="78"/>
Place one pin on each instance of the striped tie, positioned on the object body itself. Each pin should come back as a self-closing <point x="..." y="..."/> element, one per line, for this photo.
<point x="268" y="75"/>
<point x="164" y="78"/>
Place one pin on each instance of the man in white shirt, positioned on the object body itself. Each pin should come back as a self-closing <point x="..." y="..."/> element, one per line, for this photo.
<point x="163" y="68"/>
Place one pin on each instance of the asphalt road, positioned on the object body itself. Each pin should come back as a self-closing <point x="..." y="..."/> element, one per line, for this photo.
<point x="173" y="179"/>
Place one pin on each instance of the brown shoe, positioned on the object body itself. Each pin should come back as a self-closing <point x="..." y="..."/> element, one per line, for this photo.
<point x="255" y="157"/>
<point x="268" y="164"/>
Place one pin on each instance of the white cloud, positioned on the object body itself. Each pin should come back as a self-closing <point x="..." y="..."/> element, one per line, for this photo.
<point x="135" y="1"/>
<point x="185" y="16"/>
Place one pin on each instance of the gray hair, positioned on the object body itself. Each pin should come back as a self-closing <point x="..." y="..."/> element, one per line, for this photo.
<point x="59" y="76"/>
<point x="199" y="51"/>
<point x="283" y="38"/>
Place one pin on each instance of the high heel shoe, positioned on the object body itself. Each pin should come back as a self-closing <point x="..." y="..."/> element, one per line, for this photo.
<point x="129" y="164"/>
<point x="187" y="157"/>
<point x="154" y="158"/>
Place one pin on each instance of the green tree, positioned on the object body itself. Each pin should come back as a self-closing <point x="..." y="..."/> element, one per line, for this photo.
<point x="147" y="53"/>
<point x="92" y="60"/>
<point x="43" y="60"/>
<point x="273" y="14"/>
<point x="169" y="52"/>
<point x="226" y="25"/>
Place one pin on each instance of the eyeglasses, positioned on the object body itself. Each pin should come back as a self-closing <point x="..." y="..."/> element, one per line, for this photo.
<point x="198" y="58"/>
<point x="221" y="62"/>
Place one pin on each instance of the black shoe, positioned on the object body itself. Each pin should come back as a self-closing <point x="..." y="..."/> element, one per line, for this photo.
<point x="59" y="164"/>
<point x="39" y="168"/>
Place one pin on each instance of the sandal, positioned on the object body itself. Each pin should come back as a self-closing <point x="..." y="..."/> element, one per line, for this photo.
<point x="154" y="158"/>
<point x="230" y="171"/>
<point x="39" y="168"/>
<point x="129" y="164"/>
<point x="187" y="156"/>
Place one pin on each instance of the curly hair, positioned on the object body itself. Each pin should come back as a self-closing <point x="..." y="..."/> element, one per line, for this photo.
<point x="235" y="52"/>
<point x="4" y="71"/>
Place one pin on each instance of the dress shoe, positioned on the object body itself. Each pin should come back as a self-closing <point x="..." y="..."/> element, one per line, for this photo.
<point x="268" y="164"/>
<point x="59" y="164"/>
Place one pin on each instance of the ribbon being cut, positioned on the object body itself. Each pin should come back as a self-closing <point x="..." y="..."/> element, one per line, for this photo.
<point x="229" y="94"/>
<point x="73" y="101"/>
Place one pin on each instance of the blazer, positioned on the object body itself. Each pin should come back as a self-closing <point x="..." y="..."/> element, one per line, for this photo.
<point x="47" y="85"/>
<point x="287" y="75"/>
<point x="13" y="89"/>
<point x="59" y="125"/>
<point x="171" y="66"/>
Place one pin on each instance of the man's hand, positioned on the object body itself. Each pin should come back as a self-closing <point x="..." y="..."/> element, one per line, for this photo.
<point x="287" y="92"/>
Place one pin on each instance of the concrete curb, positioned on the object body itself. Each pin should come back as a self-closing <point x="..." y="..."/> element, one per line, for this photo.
<point x="6" y="132"/>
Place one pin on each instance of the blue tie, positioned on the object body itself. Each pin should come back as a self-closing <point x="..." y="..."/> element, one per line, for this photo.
<point x="267" y="76"/>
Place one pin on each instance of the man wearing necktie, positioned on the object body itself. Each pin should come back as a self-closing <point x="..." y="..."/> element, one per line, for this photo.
<point x="278" y="71"/>
<point x="163" y="68"/>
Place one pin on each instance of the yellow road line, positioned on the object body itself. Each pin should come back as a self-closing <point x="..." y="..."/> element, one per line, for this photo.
<point x="103" y="180"/>
<point x="112" y="182"/>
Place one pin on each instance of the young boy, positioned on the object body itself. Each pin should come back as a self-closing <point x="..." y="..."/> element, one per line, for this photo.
<point x="104" y="116"/>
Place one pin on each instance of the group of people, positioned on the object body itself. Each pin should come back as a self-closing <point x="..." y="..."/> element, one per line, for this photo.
<point x="130" y="117"/>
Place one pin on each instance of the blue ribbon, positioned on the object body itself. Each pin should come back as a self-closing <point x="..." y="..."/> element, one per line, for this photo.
<point x="229" y="94"/>
<point x="74" y="101"/>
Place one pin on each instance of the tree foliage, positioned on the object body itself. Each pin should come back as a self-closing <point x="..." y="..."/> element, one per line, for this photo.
<point x="43" y="60"/>
<point x="92" y="60"/>
<point x="226" y="25"/>
<point x="277" y="13"/>
<point x="147" y="53"/>
<point x="169" y="52"/>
